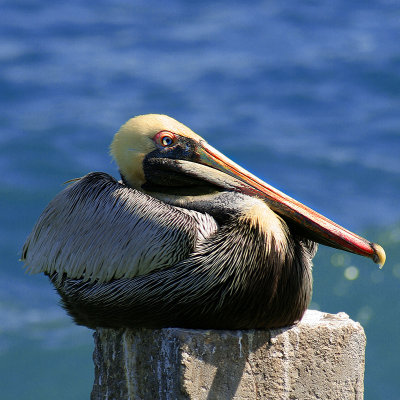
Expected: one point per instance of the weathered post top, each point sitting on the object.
(320, 357)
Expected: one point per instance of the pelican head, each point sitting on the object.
(138, 137)
(162, 157)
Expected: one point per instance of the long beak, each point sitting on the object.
(321, 229)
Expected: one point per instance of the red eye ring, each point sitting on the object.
(165, 138)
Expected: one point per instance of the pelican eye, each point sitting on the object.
(165, 138)
(166, 141)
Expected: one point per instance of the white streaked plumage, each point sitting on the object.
(118, 233)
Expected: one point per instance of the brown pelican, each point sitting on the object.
(187, 238)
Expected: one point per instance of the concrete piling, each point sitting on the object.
(321, 357)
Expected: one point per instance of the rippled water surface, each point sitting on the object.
(306, 96)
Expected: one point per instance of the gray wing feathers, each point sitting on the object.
(98, 229)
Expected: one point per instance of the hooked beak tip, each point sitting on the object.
(379, 256)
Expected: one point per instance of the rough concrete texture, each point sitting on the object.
(322, 357)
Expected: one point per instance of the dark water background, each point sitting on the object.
(306, 95)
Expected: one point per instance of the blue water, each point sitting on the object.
(305, 95)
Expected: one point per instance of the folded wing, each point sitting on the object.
(98, 229)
